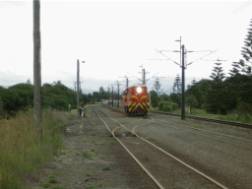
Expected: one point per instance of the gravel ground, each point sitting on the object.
(91, 159)
(226, 157)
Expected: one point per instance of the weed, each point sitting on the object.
(88, 155)
(45, 185)
(106, 169)
(52, 180)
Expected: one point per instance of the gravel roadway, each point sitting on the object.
(221, 151)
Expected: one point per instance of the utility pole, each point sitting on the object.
(127, 82)
(143, 76)
(183, 67)
(183, 83)
(182, 51)
(78, 87)
(37, 116)
(118, 93)
(112, 96)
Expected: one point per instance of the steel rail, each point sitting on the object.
(218, 184)
(157, 183)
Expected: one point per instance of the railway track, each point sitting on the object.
(140, 148)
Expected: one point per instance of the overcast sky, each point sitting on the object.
(116, 37)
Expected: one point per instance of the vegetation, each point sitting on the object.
(167, 106)
(55, 96)
(22, 151)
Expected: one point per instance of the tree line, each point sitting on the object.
(19, 97)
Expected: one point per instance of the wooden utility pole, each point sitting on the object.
(118, 93)
(183, 83)
(112, 96)
(37, 66)
(127, 82)
(78, 87)
(143, 76)
(78, 91)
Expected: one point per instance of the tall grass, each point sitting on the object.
(22, 151)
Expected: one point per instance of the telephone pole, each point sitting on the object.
(127, 82)
(112, 96)
(78, 86)
(183, 83)
(143, 76)
(37, 115)
(118, 93)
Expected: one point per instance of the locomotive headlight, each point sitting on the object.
(139, 90)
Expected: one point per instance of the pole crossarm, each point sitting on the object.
(200, 58)
(167, 58)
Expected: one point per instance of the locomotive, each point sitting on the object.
(135, 100)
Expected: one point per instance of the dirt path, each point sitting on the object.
(91, 159)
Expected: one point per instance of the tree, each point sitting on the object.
(216, 97)
(57, 96)
(154, 98)
(236, 69)
(217, 73)
(1, 108)
(191, 102)
(177, 85)
(247, 51)
(102, 93)
(157, 86)
(200, 90)
(24, 94)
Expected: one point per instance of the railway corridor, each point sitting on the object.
(223, 153)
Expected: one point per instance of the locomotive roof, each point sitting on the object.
(137, 86)
(134, 86)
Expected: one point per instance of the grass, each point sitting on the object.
(22, 151)
(90, 155)
(228, 117)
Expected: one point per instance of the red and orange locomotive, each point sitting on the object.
(135, 100)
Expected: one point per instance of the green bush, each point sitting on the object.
(154, 99)
(167, 106)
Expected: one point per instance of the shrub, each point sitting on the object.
(167, 106)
